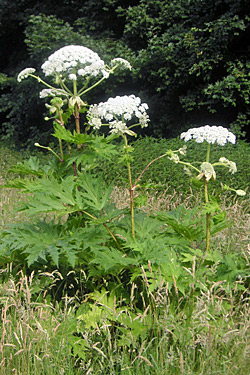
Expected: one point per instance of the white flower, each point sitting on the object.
(84, 60)
(116, 111)
(122, 62)
(210, 134)
(25, 73)
(72, 77)
(95, 122)
(52, 92)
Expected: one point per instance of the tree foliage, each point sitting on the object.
(190, 57)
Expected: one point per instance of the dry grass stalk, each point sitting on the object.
(28, 329)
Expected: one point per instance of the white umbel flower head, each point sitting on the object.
(210, 134)
(117, 111)
(25, 73)
(84, 60)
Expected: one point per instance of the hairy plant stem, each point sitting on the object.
(144, 170)
(208, 215)
(60, 121)
(76, 109)
(131, 187)
(77, 120)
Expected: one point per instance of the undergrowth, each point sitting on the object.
(160, 331)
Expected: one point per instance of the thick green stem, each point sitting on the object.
(76, 108)
(131, 188)
(208, 153)
(61, 149)
(208, 215)
(59, 140)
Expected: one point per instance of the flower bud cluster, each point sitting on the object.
(25, 73)
(52, 92)
(207, 171)
(210, 134)
(230, 164)
(117, 112)
(121, 62)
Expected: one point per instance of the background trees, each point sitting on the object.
(190, 58)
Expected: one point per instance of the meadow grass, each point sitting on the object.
(205, 334)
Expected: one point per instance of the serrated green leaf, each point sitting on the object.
(216, 228)
(31, 166)
(111, 259)
(96, 195)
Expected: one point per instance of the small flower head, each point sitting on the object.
(25, 73)
(117, 112)
(210, 134)
(173, 156)
(121, 62)
(230, 164)
(72, 77)
(83, 60)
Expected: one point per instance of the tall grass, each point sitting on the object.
(206, 335)
(29, 342)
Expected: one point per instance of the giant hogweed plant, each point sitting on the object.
(206, 170)
(81, 228)
(66, 187)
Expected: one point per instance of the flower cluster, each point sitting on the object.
(210, 134)
(72, 62)
(25, 73)
(207, 171)
(84, 61)
(117, 111)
